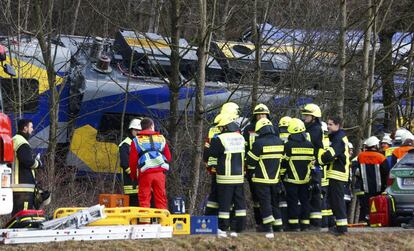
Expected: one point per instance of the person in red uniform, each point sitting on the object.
(148, 160)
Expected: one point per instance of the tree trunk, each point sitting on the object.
(258, 65)
(385, 70)
(204, 37)
(342, 60)
(45, 46)
(174, 86)
(75, 17)
(221, 33)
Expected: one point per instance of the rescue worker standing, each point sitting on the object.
(336, 157)
(298, 161)
(311, 114)
(266, 155)
(283, 125)
(149, 158)
(407, 140)
(372, 172)
(230, 110)
(25, 166)
(130, 186)
(249, 134)
(327, 215)
(228, 148)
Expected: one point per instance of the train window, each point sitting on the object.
(29, 95)
(109, 127)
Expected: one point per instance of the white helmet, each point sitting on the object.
(371, 141)
(403, 134)
(135, 124)
(386, 139)
(324, 126)
(350, 145)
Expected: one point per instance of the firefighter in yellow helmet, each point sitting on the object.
(266, 155)
(211, 164)
(231, 109)
(228, 148)
(260, 111)
(283, 125)
(130, 186)
(297, 163)
(327, 215)
(311, 115)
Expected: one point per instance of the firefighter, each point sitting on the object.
(407, 140)
(149, 159)
(336, 157)
(283, 125)
(327, 215)
(249, 134)
(228, 148)
(371, 171)
(25, 167)
(311, 114)
(386, 143)
(266, 155)
(130, 186)
(297, 162)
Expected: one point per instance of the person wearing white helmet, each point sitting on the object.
(130, 186)
(407, 140)
(371, 173)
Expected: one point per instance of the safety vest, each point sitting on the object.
(299, 165)
(269, 161)
(212, 162)
(129, 186)
(150, 148)
(230, 169)
(401, 151)
(370, 170)
(17, 185)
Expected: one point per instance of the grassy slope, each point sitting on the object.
(284, 241)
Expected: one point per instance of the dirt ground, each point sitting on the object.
(396, 239)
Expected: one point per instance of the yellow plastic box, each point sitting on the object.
(181, 224)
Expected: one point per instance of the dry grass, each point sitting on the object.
(400, 240)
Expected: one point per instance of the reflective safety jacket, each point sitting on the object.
(130, 186)
(24, 177)
(228, 148)
(372, 171)
(250, 135)
(399, 153)
(336, 157)
(283, 134)
(210, 161)
(315, 132)
(149, 153)
(266, 155)
(298, 159)
(388, 155)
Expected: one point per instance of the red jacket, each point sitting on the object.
(133, 156)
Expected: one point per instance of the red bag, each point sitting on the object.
(382, 210)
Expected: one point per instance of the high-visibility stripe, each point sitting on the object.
(268, 149)
(293, 221)
(302, 158)
(235, 179)
(305, 222)
(241, 212)
(253, 156)
(268, 219)
(263, 169)
(282, 204)
(298, 150)
(278, 222)
(265, 181)
(341, 222)
(315, 215)
(271, 156)
(25, 205)
(212, 204)
(327, 212)
(224, 215)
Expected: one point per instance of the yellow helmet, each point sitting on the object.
(296, 126)
(231, 109)
(218, 118)
(261, 109)
(312, 109)
(225, 120)
(284, 121)
(261, 123)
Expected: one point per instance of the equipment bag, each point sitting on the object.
(382, 210)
